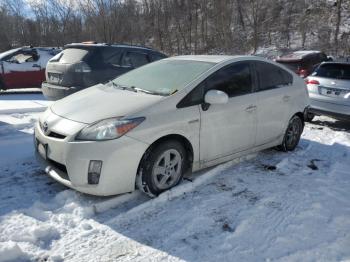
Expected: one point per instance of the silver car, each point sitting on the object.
(329, 90)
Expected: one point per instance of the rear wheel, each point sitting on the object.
(293, 134)
(163, 167)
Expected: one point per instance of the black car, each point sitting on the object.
(303, 63)
(83, 65)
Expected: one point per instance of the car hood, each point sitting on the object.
(101, 102)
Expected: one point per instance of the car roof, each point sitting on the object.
(296, 56)
(306, 52)
(111, 45)
(335, 63)
(9, 52)
(213, 58)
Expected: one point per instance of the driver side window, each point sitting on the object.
(234, 80)
(24, 57)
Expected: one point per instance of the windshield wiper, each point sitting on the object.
(148, 92)
(136, 89)
(123, 87)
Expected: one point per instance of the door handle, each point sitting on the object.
(193, 121)
(286, 98)
(251, 108)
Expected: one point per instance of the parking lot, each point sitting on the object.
(273, 205)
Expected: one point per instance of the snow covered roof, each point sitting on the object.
(297, 55)
(106, 44)
(9, 52)
(305, 52)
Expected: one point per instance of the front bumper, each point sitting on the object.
(56, 92)
(67, 162)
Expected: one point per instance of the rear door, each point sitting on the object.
(229, 128)
(274, 101)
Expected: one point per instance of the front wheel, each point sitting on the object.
(293, 134)
(163, 167)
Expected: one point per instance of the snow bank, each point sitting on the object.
(10, 251)
(276, 207)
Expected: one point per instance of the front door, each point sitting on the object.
(229, 128)
(23, 70)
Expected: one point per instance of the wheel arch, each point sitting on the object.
(301, 116)
(179, 138)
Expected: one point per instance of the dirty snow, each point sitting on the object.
(274, 207)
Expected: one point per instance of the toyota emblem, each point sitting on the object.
(45, 127)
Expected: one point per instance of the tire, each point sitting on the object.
(162, 168)
(293, 133)
(309, 117)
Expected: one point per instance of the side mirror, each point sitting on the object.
(215, 97)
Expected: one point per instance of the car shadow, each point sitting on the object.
(336, 125)
(161, 225)
(22, 96)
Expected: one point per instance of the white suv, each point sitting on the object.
(148, 127)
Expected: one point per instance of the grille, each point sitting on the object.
(56, 135)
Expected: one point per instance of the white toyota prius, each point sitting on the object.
(147, 128)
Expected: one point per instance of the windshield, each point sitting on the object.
(163, 77)
(337, 71)
(73, 55)
(8, 53)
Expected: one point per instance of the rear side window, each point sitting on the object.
(73, 55)
(234, 79)
(134, 59)
(111, 56)
(337, 71)
(271, 76)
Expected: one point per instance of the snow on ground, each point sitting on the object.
(29, 101)
(274, 207)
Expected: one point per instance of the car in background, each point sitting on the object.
(82, 65)
(329, 90)
(25, 66)
(150, 126)
(303, 63)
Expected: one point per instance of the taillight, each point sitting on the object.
(311, 82)
(302, 73)
(82, 67)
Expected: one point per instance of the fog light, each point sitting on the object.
(94, 172)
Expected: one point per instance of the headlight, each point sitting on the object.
(108, 129)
